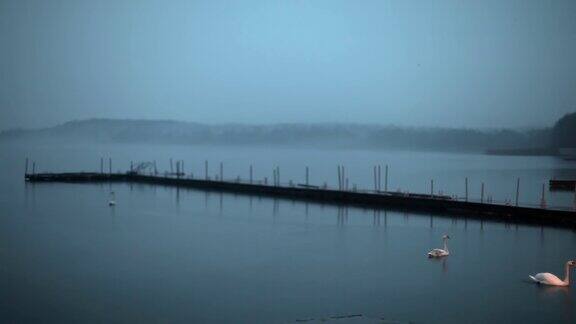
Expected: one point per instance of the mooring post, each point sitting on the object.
(307, 175)
(101, 165)
(206, 169)
(251, 173)
(26, 167)
(374, 176)
(221, 171)
(517, 190)
(278, 174)
(543, 199)
(386, 179)
(341, 186)
(482, 193)
(379, 177)
(110, 166)
(466, 188)
(184, 172)
(339, 178)
(155, 169)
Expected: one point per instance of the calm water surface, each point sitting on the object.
(169, 255)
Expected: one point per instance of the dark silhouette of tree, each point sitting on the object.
(564, 132)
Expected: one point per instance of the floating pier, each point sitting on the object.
(563, 185)
(422, 203)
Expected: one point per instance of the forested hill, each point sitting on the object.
(322, 135)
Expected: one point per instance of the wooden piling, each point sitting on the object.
(466, 189)
(277, 176)
(375, 181)
(342, 179)
(482, 193)
(110, 165)
(307, 176)
(543, 198)
(379, 177)
(251, 173)
(206, 169)
(221, 171)
(517, 190)
(386, 179)
(26, 167)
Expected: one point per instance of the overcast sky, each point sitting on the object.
(433, 63)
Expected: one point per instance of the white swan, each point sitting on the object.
(438, 253)
(546, 278)
(112, 201)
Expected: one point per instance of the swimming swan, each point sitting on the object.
(546, 278)
(438, 253)
(112, 201)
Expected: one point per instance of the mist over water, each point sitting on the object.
(168, 254)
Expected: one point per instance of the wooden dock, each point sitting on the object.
(421, 203)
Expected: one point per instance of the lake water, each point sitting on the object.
(172, 255)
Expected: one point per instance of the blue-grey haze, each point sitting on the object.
(422, 63)
(164, 254)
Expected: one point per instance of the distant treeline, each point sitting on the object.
(325, 135)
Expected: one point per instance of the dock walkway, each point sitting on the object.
(374, 199)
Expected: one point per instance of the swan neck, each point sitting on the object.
(567, 277)
(446, 245)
